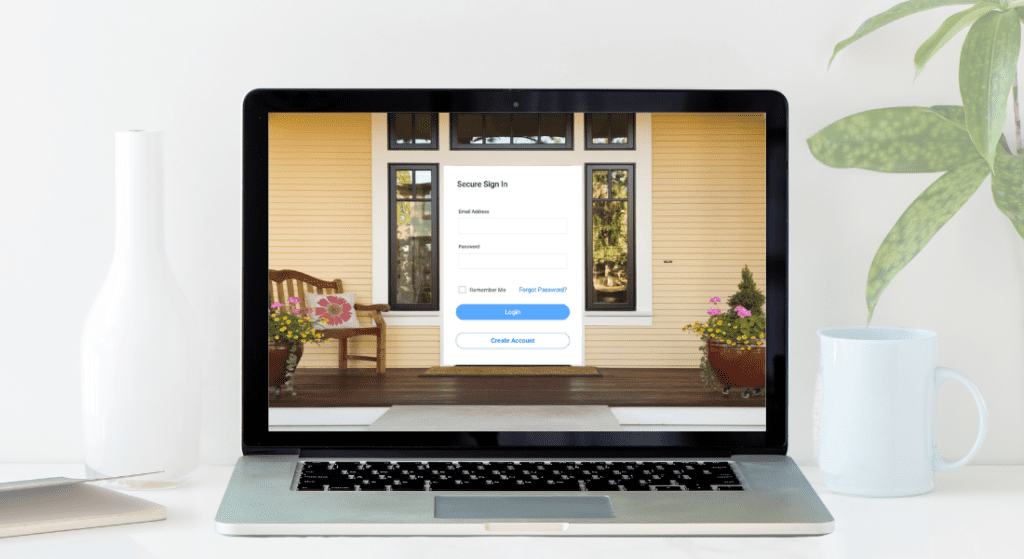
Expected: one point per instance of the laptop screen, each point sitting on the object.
(518, 271)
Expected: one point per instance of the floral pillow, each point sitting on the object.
(338, 309)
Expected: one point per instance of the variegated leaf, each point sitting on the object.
(949, 28)
(894, 140)
(988, 64)
(1008, 188)
(919, 223)
(892, 14)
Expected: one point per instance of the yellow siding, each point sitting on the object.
(319, 167)
(708, 182)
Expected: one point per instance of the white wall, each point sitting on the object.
(75, 72)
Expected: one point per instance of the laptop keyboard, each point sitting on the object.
(517, 476)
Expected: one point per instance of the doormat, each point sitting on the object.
(513, 371)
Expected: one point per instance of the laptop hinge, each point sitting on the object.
(277, 450)
(469, 454)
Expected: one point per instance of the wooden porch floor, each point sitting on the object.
(615, 387)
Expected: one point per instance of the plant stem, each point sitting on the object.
(1016, 114)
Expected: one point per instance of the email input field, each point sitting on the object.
(512, 261)
(511, 226)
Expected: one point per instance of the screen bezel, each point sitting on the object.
(257, 438)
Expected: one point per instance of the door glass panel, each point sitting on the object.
(414, 246)
(403, 184)
(423, 183)
(599, 184)
(610, 250)
(619, 178)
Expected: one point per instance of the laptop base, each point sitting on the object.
(777, 501)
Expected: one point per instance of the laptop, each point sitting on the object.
(491, 291)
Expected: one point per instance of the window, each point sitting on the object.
(511, 131)
(413, 216)
(610, 130)
(611, 270)
(412, 130)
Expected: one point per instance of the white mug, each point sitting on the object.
(878, 411)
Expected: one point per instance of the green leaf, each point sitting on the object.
(894, 140)
(892, 14)
(949, 28)
(955, 114)
(919, 223)
(988, 64)
(1008, 188)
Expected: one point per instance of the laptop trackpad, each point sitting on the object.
(522, 507)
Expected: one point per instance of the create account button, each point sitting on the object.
(506, 340)
(512, 312)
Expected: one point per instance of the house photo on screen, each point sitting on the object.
(531, 269)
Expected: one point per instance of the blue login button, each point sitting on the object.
(512, 312)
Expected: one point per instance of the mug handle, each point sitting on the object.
(942, 374)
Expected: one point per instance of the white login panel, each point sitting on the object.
(512, 265)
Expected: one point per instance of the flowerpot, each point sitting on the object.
(277, 361)
(737, 366)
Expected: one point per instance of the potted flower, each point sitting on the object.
(290, 326)
(733, 339)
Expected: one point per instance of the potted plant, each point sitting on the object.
(733, 339)
(290, 326)
(965, 143)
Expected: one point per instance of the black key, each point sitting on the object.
(373, 485)
(346, 465)
(521, 476)
(601, 485)
(341, 486)
(410, 487)
(491, 485)
(729, 487)
(560, 486)
(635, 485)
(449, 486)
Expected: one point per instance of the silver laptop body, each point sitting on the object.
(263, 499)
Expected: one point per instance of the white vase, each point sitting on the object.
(140, 374)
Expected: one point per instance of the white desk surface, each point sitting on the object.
(974, 512)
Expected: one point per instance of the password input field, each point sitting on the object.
(512, 261)
(512, 226)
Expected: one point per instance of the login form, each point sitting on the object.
(512, 265)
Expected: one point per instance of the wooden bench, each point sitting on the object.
(283, 284)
